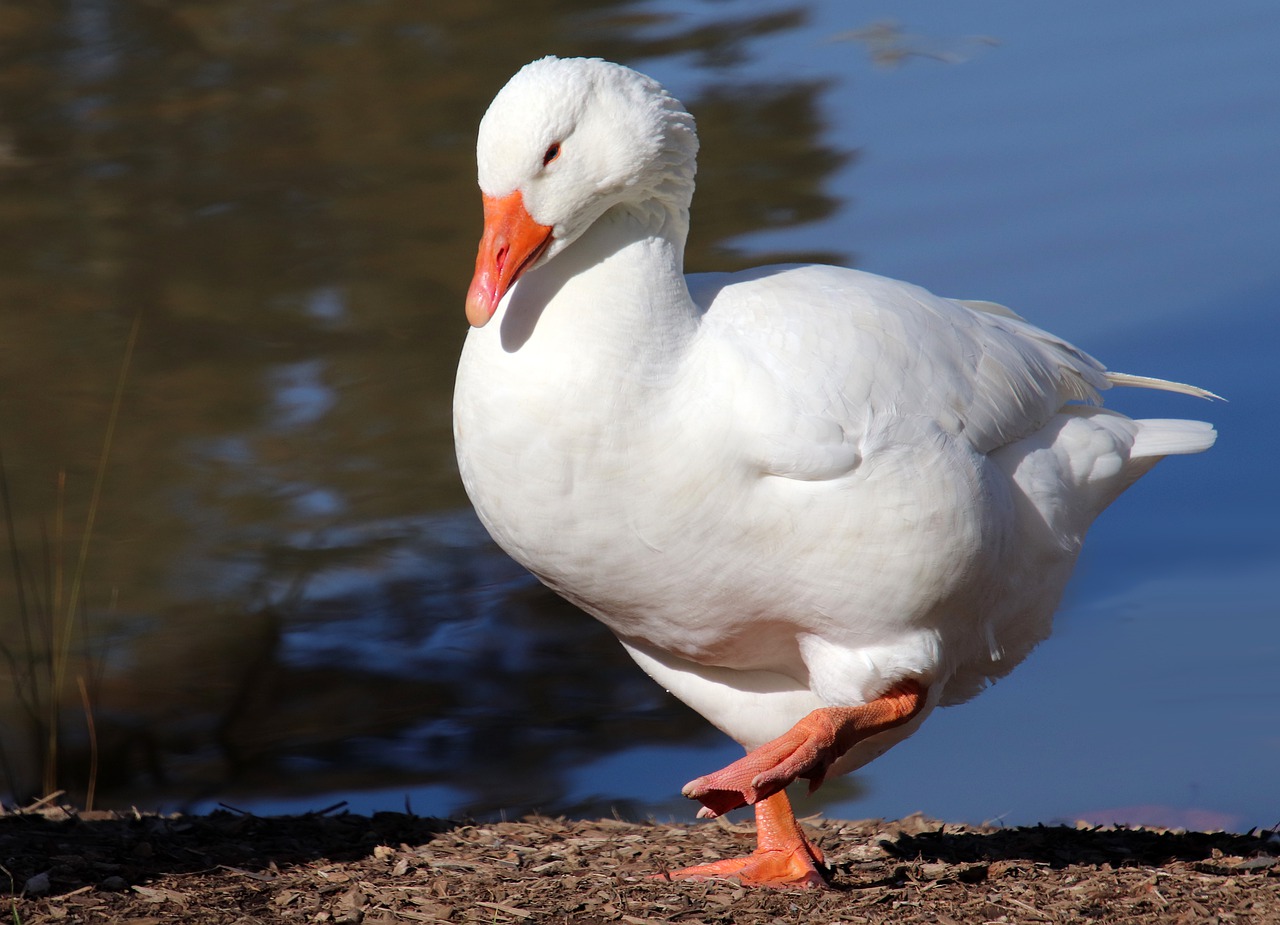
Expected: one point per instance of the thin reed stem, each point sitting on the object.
(62, 653)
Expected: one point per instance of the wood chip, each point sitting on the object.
(509, 910)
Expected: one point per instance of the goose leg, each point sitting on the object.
(806, 750)
(784, 857)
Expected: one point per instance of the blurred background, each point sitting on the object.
(234, 242)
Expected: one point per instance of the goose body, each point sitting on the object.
(792, 492)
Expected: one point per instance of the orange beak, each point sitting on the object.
(512, 242)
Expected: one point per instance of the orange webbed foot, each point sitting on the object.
(806, 750)
(803, 749)
(774, 869)
(784, 858)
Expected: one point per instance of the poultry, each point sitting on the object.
(812, 503)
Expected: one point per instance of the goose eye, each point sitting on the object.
(551, 154)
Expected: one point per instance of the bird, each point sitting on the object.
(812, 503)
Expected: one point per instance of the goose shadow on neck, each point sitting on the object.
(525, 304)
(535, 291)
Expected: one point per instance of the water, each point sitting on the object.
(287, 602)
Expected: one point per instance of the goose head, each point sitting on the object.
(564, 142)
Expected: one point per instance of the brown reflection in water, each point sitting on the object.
(285, 193)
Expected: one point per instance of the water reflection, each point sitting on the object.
(284, 592)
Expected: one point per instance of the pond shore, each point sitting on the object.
(62, 865)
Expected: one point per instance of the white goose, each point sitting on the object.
(812, 503)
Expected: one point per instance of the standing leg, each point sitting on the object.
(784, 857)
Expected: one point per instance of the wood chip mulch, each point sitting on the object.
(57, 865)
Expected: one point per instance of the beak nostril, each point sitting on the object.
(511, 243)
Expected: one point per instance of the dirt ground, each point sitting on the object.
(64, 866)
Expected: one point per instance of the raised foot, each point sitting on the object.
(806, 750)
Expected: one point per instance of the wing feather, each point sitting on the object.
(815, 353)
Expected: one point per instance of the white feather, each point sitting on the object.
(1171, 437)
(1164, 385)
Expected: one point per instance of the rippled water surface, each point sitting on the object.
(285, 601)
